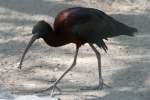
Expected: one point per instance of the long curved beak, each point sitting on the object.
(34, 37)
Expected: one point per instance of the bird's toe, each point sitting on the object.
(52, 89)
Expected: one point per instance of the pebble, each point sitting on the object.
(55, 69)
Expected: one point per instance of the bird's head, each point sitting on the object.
(40, 30)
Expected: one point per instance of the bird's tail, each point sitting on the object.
(122, 29)
(117, 28)
(101, 44)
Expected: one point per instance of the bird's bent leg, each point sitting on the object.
(73, 64)
(98, 56)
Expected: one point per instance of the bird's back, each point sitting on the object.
(103, 23)
(67, 19)
(89, 25)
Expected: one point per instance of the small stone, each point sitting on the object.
(55, 69)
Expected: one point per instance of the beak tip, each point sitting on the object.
(36, 36)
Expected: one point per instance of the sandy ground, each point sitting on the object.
(126, 66)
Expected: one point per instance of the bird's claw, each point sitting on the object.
(102, 84)
(19, 65)
(99, 87)
(52, 89)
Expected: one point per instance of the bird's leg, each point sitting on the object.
(53, 86)
(98, 56)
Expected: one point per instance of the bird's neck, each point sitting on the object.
(55, 40)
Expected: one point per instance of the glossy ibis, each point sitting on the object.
(79, 25)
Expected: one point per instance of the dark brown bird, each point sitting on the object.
(79, 25)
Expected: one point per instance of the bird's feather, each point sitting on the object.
(89, 25)
(112, 27)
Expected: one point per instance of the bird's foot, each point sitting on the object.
(99, 87)
(102, 84)
(52, 89)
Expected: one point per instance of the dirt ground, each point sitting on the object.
(126, 66)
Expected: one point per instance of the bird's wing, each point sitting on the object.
(90, 30)
(95, 21)
(112, 27)
(106, 24)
